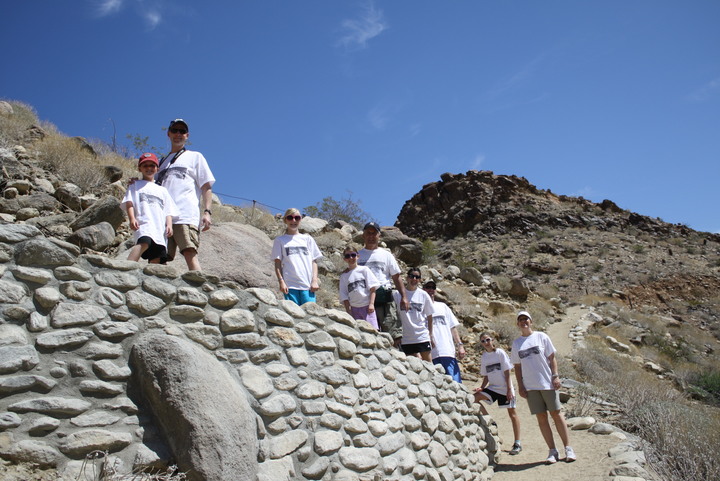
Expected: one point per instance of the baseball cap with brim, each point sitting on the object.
(524, 313)
(173, 123)
(430, 285)
(148, 157)
(372, 225)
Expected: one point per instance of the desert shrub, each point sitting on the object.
(706, 385)
(503, 283)
(98, 466)
(70, 160)
(429, 251)
(13, 127)
(346, 209)
(254, 216)
(583, 402)
(331, 240)
(546, 291)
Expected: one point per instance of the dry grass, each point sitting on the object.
(682, 436)
(99, 466)
(13, 128)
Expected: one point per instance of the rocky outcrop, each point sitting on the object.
(222, 380)
(492, 205)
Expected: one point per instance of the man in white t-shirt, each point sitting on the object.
(536, 371)
(187, 176)
(445, 335)
(385, 268)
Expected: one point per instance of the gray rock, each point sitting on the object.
(64, 339)
(96, 237)
(14, 358)
(34, 452)
(71, 273)
(11, 293)
(144, 303)
(182, 384)
(51, 406)
(83, 442)
(106, 209)
(42, 253)
(68, 314)
(69, 195)
(15, 384)
(359, 459)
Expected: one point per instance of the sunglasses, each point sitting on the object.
(294, 217)
(351, 255)
(414, 276)
(176, 130)
(487, 339)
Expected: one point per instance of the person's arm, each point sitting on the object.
(404, 304)
(278, 273)
(554, 370)
(371, 306)
(510, 396)
(458, 343)
(518, 377)
(346, 303)
(430, 330)
(134, 225)
(315, 283)
(205, 204)
(168, 226)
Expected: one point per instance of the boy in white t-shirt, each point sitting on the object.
(357, 288)
(536, 371)
(295, 257)
(150, 211)
(417, 323)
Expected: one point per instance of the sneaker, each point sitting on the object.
(516, 448)
(569, 454)
(552, 457)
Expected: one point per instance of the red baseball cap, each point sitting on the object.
(148, 157)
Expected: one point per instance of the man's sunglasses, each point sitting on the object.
(351, 255)
(176, 130)
(413, 276)
(294, 217)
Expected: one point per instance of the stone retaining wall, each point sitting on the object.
(319, 395)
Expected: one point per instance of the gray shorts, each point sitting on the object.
(542, 401)
(184, 236)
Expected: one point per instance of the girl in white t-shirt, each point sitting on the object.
(295, 257)
(357, 288)
(495, 367)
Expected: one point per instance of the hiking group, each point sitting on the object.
(169, 207)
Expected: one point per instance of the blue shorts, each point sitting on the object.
(451, 366)
(300, 297)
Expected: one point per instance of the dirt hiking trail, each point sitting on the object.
(593, 462)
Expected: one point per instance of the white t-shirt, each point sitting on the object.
(415, 320)
(355, 286)
(443, 322)
(183, 180)
(152, 204)
(381, 262)
(494, 365)
(297, 253)
(531, 353)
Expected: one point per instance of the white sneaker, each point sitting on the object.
(569, 454)
(552, 457)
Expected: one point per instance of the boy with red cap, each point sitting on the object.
(150, 211)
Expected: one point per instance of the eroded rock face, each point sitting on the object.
(202, 410)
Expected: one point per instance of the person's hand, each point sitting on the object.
(523, 391)
(283, 287)
(314, 285)
(432, 342)
(398, 342)
(404, 304)
(134, 224)
(556, 383)
(510, 396)
(206, 221)
(461, 352)
(371, 308)
(168, 231)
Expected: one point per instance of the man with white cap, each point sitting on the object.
(187, 176)
(536, 371)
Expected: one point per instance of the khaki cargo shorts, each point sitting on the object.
(184, 236)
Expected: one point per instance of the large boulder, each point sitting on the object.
(106, 209)
(202, 410)
(96, 237)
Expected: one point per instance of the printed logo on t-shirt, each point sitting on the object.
(356, 285)
(151, 199)
(376, 267)
(416, 306)
(529, 352)
(439, 320)
(491, 367)
(178, 172)
(296, 250)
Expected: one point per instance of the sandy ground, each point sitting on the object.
(592, 462)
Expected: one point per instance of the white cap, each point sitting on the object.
(524, 313)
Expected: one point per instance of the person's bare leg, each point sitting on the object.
(515, 421)
(137, 251)
(561, 426)
(425, 356)
(546, 430)
(191, 257)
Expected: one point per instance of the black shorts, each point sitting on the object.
(416, 348)
(501, 399)
(154, 251)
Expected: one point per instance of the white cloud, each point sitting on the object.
(379, 117)
(706, 91)
(108, 7)
(477, 162)
(358, 32)
(152, 18)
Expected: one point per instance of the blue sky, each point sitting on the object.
(292, 101)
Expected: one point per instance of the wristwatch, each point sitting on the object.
(208, 211)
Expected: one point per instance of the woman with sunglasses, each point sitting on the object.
(357, 288)
(295, 256)
(495, 367)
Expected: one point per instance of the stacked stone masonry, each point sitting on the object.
(328, 397)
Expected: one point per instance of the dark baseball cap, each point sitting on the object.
(372, 225)
(430, 285)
